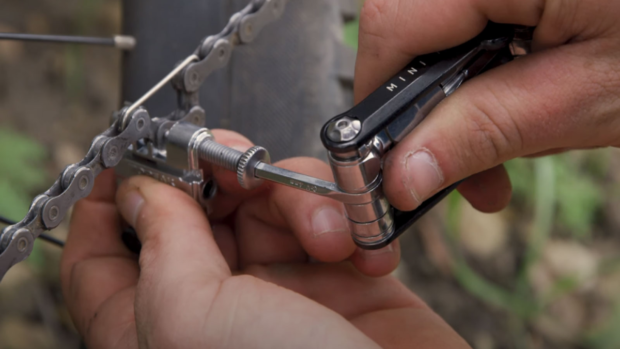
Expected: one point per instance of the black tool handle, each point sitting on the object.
(407, 90)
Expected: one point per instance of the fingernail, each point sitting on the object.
(131, 205)
(368, 254)
(327, 220)
(423, 175)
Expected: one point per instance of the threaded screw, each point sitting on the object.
(219, 155)
(236, 161)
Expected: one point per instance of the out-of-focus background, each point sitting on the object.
(544, 273)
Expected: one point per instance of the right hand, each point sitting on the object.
(565, 95)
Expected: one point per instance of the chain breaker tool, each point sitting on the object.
(170, 148)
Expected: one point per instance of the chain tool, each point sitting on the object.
(170, 148)
(134, 130)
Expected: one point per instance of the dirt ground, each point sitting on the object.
(466, 265)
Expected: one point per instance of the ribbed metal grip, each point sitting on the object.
(219, 155)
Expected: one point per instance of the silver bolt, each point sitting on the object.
(234, 160)
(343, 129)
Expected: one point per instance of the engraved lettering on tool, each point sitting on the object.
(392, 87)
(304, 186)
(412, 71)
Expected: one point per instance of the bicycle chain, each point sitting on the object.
(107, 149)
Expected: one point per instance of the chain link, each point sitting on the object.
(107, 149)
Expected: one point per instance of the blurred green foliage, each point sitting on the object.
(351, 30)
(561, 191)
(606, 336)
(21, 172)
(578, 194)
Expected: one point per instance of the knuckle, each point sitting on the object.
(492, 132)
(152, 247)
(373, 10)
(373, 16)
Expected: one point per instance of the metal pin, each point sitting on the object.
(159, 85)
(121, 42)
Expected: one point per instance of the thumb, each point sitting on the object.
(179, 259)
(177, 240)
(558, 98)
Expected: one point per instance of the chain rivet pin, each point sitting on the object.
(54, 212)
(83, 182)
(22, 244)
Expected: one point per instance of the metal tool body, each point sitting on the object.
(358, 139)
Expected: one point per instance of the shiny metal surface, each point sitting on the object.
(375, 232)
(368, 211)
(344, 129)
(124, 42)
(309, 184)
(247, 166)
(158, 86)
(356, 174)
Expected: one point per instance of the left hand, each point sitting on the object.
(245, 282)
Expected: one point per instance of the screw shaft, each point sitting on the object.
(219, 155)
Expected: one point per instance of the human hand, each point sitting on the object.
(563, 96)
(244, 283)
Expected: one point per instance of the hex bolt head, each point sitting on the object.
(343, 129)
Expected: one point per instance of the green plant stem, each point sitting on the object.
(544, 204)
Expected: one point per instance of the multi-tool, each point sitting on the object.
(178, 150)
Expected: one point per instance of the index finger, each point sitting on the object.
(392, 33)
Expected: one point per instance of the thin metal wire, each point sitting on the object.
(122, 42)
(44, 237)
(86, 40)
(161, 84)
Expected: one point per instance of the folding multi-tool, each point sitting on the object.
(178, 150)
